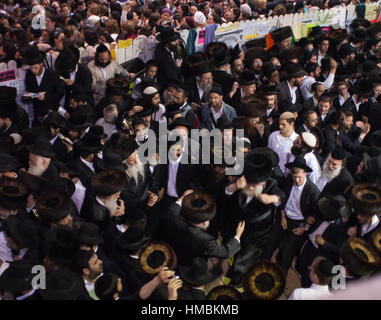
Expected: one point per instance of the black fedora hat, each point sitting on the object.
(224, 293)
(268, 152)
(60, 184)
(266, 90)
(294, 70)
(197, 274)
(247, 78)
(167, 35)
(41, 148)
(359, 257)
(89, 234)
(299, 162)
(220, 57)
(258, 167)
(90, 143)
(8, 162)
(63, 284)
(253, 107)
(53, 118)
(133, 239)
(108, 182)
(78, 120)
(200, 68)
(53, 206)
(281, 34)
(157, 255)
(117, 86)
(290, 107)
(147, 110)
(364, 88)
(65, 61)
(198, 207)
(268, 68)
(334, 208)
(17, 277)
(98, 131)
(366, 199)
(24, 232)
(264, 280)
(180, 122)
(369, 67)
(112, 160)
(33, 56)
(172, 109)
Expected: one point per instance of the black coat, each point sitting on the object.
(93, 211)
(332, 140)
(84, 173)
(53, 87)
(190, 241)
(167, 69)
(308, 198)
(285, 94)
(193, 93)
(338, 185)
(225, 80)
(51, 173)
(136, 195)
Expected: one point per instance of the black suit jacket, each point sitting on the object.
(338, 184)
(190, 241)
(167, 69)
(194, 95)
(308, 199)
(332, 140)
(82, 84)
(92, 211)
(135, 195)
(53, 87)
(285, 94)
(84, 173)
(225, 80)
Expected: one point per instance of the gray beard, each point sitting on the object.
(206, 87)
(330, 174)
(111, 205)
(36, 170)
(254, 193)
(135, 170)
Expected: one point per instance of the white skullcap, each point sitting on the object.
(309, 139)
(199, 17)
(150, 90)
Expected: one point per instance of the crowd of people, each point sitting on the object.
(107, 223)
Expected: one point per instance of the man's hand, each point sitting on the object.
(298, 231)
(352, 231)
(120, 209)
(268, 198)
(68, 146)
(41, 97)
(152, 198)
(131, 75)
(134, 110)
(241, 183)
(319, 240)
(173, 285)
(68, 82)
(240, 229)
(260, 128)
(234, 89)
(283, 220)
(310, 220)
(165, 274)
(195, 106)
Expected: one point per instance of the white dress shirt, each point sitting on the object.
(282, 146)
(79, 195)
(5, 250)
(39, 78)
(53, 140)
(217, 114)
(342, 100)
(321, 182)
(293, 92)
(313, 163)
(366, 228)
(90, 287)
(172, 176)
(357, 104)
(314, 292)
(308, 81)
(292, 208)
(320, 230)
(200, 91)
(72, 78)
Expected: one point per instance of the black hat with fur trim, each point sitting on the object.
(281, 34)
(117, 86)
(17, 277)
(8, 162)
(260, 42)
(253, 107)
(53, 206)
(24, 232)
(292, 53)
(366, 199)
(107, 182)
(200, 68)
(13, 193)
(133, 239)
(220, 57)
(211, 47)
(264, 280)
(33, 56)
(375, 239)
(157, 255)
(198, 207)
(334, 208)
(359, 258)
(253, 53)
(258, 167)
(224, 293)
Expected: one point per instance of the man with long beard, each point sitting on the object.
(335, 176)
(253, 198)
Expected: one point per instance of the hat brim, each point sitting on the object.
(188, 277)
(290, 165)
(173, 37)
(36, 151)
(170, 260)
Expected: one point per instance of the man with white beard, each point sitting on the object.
(253, 198)
(40, 160)
(335, 177)
(103, 203)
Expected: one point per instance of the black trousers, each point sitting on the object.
(286, 240)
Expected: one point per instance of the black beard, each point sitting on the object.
(172, 48)
(296, 151)
(101, 64)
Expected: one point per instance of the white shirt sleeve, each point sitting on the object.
(329, 81)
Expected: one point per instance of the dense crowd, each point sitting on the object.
(293, 181)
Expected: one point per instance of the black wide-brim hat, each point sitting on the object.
(294, 70)
(54, 203)
(167, 35)
(254, 53)
(211, 47)
(257, 167)
(264, 280)
(224, 293)
(66, 61)
(89, 234)
(172, 109)
(290, 107)
(220, 57)
(33, 183)
(98, 131)
(41, 148)
(111, 160)
(376, 240)
(266, 90)
(268, 152)
(62, 284)
(364, 88)
(90, 143)
(247, 78)
(268, 68)
(17, 277)
(180, 122)
(200, 68)
(366, 199)
(55, 119)
(253, 107)
(334, 208)
(359, 35)
(23, 232)
(299, 162)
(157, 255)
(198, 207)
(281, 34)
(260, 42)
(359, 256)
(78, 120)
(133, 239)
(33, 56)
(147, 110)
(13, 193)
(197, 274)
(8, 93)
(107, 182)
(117, 86)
